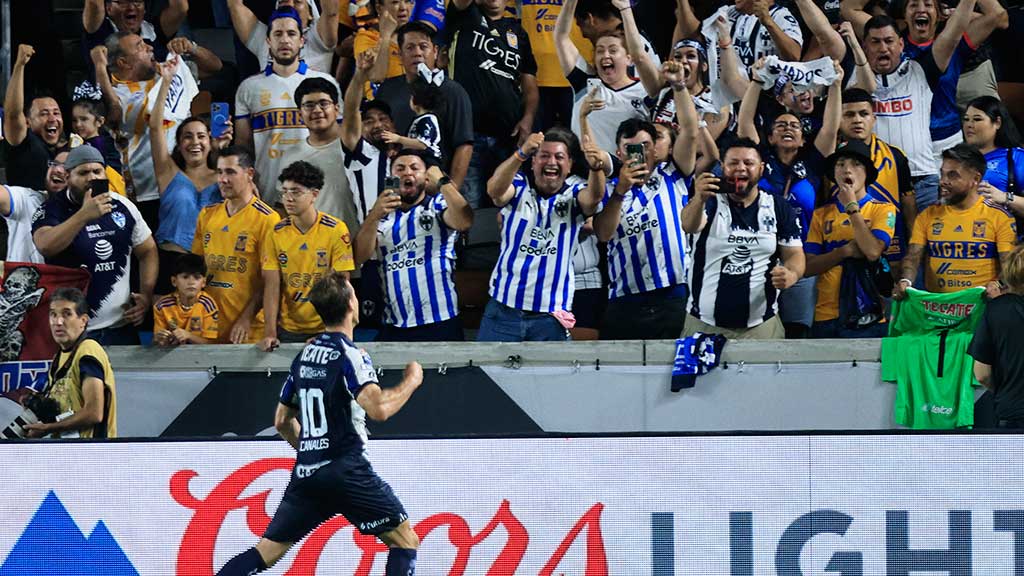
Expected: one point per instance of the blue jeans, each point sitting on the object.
(488, 153)
(449, 330)
(926, 192)
(833, 329)
(503, 324)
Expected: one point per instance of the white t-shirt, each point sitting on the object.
(753, 41)
(335, 197)
(134, 97)
(24, 203)
(267, 100)
(619, 105)
(318, 56)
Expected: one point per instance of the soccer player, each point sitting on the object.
(966, 238)
(300, 250)
(330, 390)
(231, 235)
(177, 319)
(414, 235)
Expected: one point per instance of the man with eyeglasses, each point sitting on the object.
(301, 249)
(19, 204)
(101, 18)
(267, 119)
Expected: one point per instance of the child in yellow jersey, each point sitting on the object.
(301, 249)
(189, 315)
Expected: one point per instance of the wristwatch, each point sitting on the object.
(1009, 198)
(852, 207)
(443, 181)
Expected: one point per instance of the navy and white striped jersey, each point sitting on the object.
(538, 238)
(417, 254)
(733, 254)
(366, 167)
(648, 250)
(323, 383)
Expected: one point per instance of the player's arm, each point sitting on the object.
(286, 421)
(684, 152)
(383, 403)
(366, 241)
(243, 133)
(745, 127)
(687, 24)
(794, 262)
(386, 26)
(172, 17)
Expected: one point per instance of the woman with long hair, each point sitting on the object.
(988, 126)
(185, 177)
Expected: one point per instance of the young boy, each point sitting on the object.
(189, 315)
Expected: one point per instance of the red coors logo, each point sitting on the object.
(195, 556)
(897, 106)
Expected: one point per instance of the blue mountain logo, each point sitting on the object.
(53, 545)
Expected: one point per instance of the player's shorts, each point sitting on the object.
(347, 486)
(429, 11)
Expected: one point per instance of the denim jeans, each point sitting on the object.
(503, 324)
(488, 153)
(926, 192)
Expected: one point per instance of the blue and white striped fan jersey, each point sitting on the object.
(417, 253)
(648, 250)
(538, 237)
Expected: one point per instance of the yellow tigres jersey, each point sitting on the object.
(200, 318)
(962, 247)
(831, 229)
(302, 260)
(233, 247)
(538, 20)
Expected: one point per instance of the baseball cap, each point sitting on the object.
(83, 155)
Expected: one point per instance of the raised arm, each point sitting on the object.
(590, 197)
(853, 11)
(564, 48)
(382, 403)
(93, 14)
(865, 76)
(15, 123)
(687, 24)
(327, 24)
(206, 61)
(386, 26)
(993, 16)
(499, 186)
(827, 137)
(789, 49)
(684, 152)
(458, 215)
(745, 127)
(946, 42)
(829, 40)
(172, 16)
(634, 44)
(242, 19)
(114, 111)
(351, 121)
(733, 73)
(163, 165)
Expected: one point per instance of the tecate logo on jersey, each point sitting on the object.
(316, 354)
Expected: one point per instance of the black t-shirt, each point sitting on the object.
(489, 56)
(997, 342)
(27, 162)
(456, 117)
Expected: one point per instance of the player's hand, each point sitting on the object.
(166, 69)
(413, 374)
(783, 277)
(269, 343)
(386, 203)
(591, 103)
(240, 331)
(25, 53)
(851, 250)
(135, 312)
(899, 289)
(94, 207)
(707, 185)
(621, 5)
(722, 24)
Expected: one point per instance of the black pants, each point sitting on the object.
(655, 315)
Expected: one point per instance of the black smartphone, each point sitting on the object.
(635, 153)
(392, 183)
(99, 187)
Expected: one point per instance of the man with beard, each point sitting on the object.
(32, 134)
(19, 204)
(267, 120)
(965, 237)
(101, 18)
(413, 230)
(319, 31)
(740, 234)
(533, 283)
(88, 226)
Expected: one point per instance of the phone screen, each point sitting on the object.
(100, 187)
(392, 183)
(635, 152)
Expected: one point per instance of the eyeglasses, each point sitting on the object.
(55, 164)
(293, 192)
(322, 104)
(793, 125)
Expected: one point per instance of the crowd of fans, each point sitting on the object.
(781, 170)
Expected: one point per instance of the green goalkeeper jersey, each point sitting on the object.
(926, 355)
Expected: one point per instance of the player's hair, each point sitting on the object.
(331, 297)
(426, 95)
(176, 155)
(1013, 270)
(878, 22)
(312, 85)
(633, 126)
(94, 107)
(74, 296)
(243, 155)
(304, 174)
(1007, 136)
(189, 264)
(967, 155)
(857, 95)
(741, 143)
(414, 27)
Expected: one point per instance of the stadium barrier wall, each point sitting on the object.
(636, 506)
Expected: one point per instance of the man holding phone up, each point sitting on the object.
(87, 225)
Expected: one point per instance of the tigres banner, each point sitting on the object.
(26, 345)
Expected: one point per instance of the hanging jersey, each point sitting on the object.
(945, 115)
(322, 385)
(366, 167)
(753, 41)
(963, 246)
(903, 102)
(134, 98)
(538, 237)
(998, 169)
(302, 259)
(427, 130)
(417, 252)
(200, 318)
(267, 100)
(103, 246)
(648, 250)
(733, 254)
(926, 355)
(622, 104)
(233, 246)
(24, 203)
(586, 261)
(831, 229)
